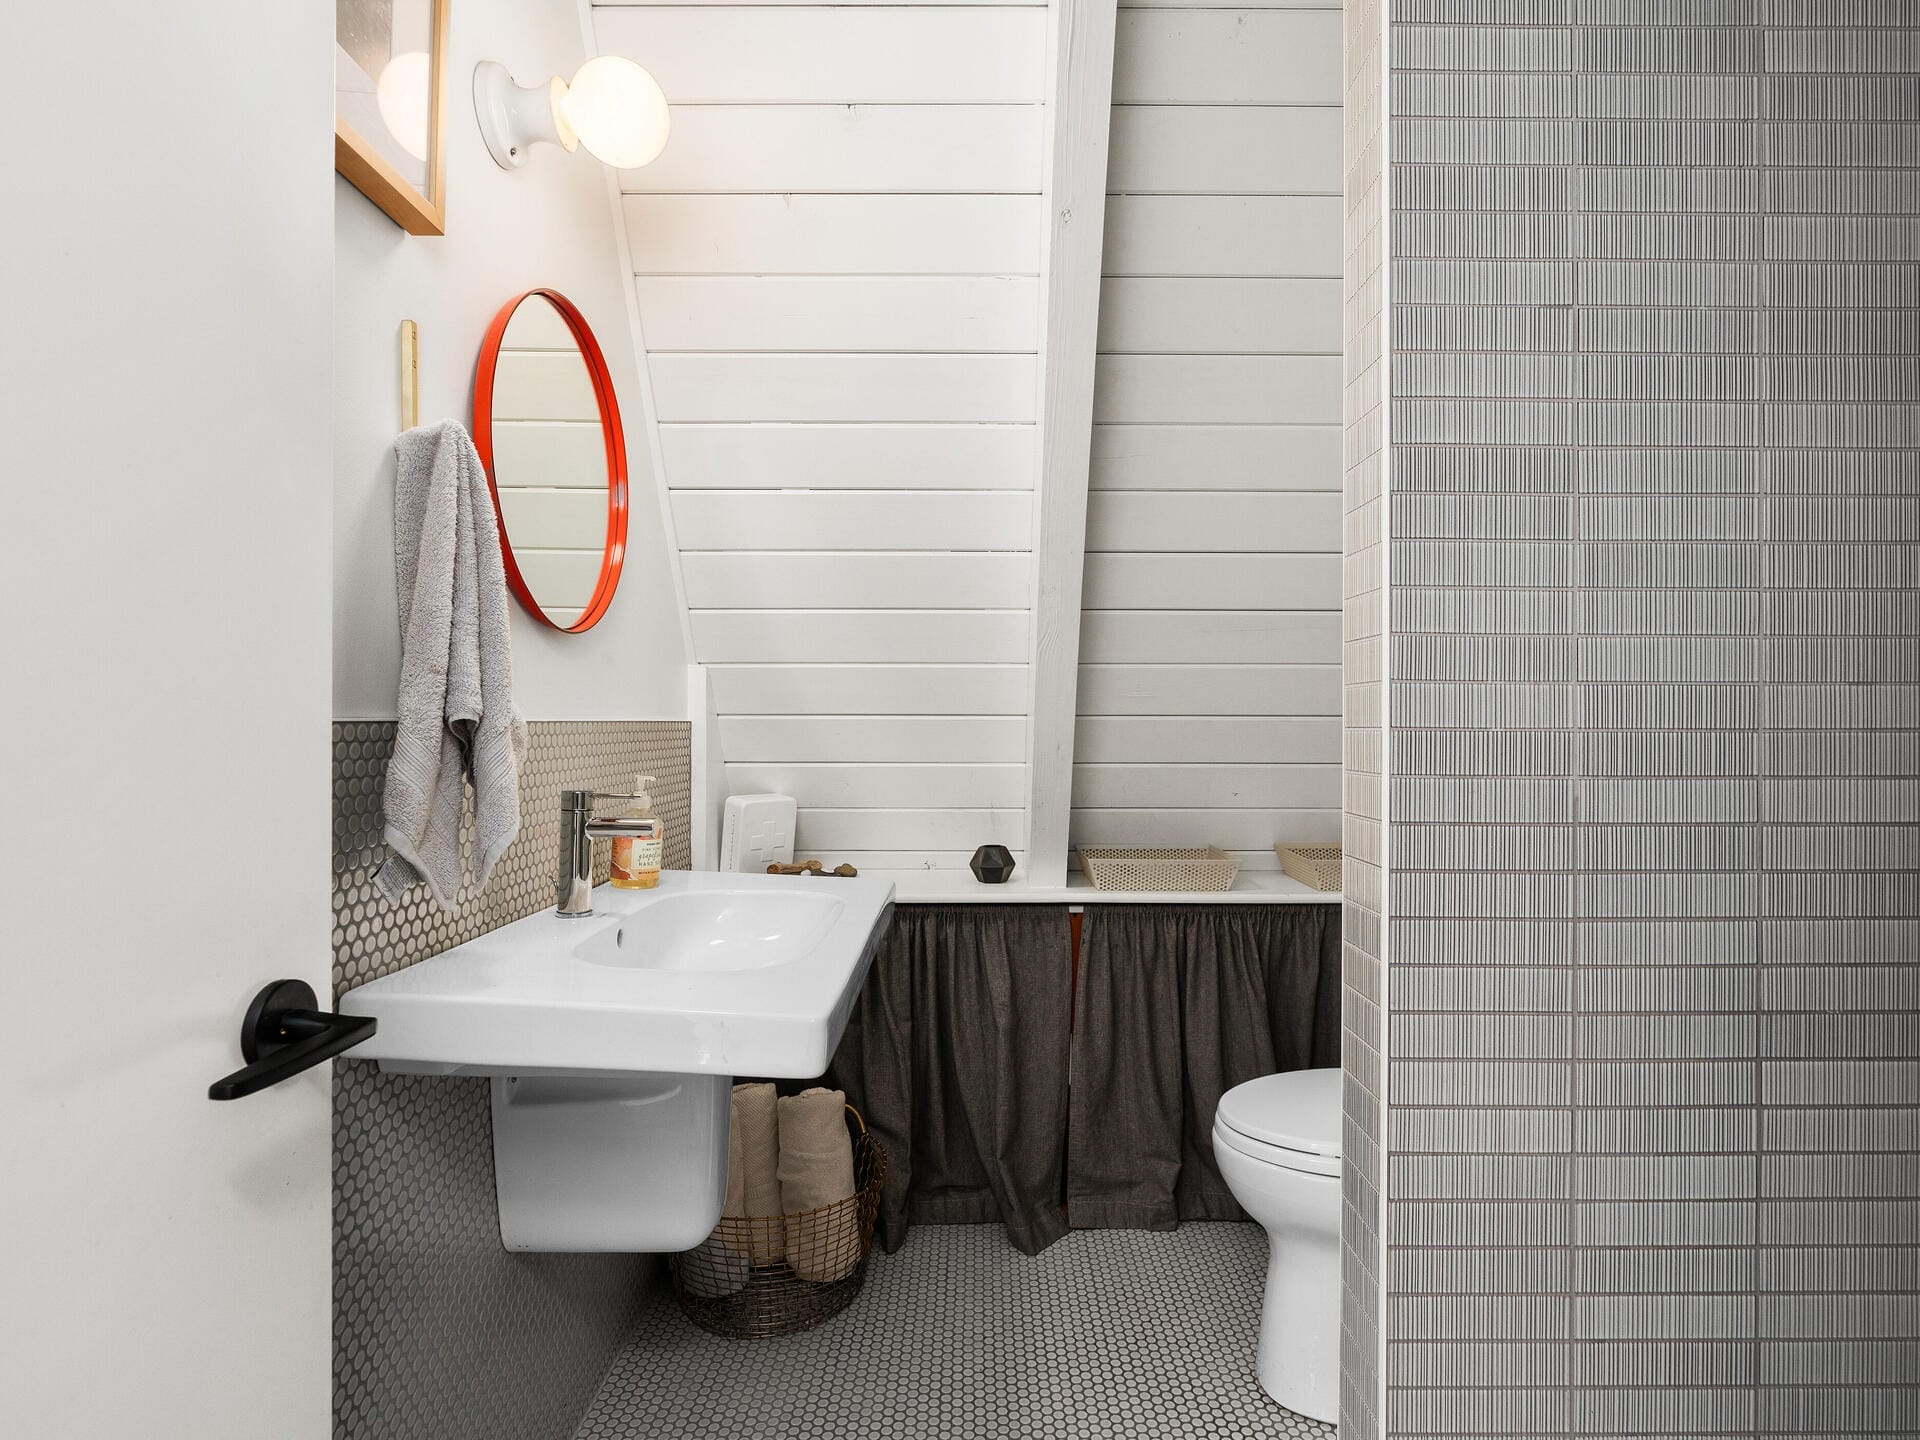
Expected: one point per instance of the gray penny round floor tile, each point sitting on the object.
(1107, 1335)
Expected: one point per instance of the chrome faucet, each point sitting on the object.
(578, 831)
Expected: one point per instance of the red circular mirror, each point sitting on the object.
(547, 426)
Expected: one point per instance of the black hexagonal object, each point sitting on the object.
(992, 865)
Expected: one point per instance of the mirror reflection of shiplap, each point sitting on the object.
(550, 460)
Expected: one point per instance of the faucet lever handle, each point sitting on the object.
(587, 799)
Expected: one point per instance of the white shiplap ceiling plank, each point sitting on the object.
(910, 54)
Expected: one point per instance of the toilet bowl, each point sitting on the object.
(1277, 1143)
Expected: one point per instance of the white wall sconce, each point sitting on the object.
(613, 107)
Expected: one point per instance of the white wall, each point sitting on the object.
(1209, 697)
(550, 223)
(837, 263)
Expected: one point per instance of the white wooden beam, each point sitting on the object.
(1079, 111)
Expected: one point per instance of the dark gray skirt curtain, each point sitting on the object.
(957, 1056)
(1177, 1005)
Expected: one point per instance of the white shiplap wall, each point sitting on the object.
(1209, 704)
(837, 268)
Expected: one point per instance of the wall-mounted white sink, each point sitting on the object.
(709, 974)
(612, 1040)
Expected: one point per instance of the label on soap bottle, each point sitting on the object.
(636, 860)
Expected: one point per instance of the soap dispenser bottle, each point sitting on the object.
(636, 858)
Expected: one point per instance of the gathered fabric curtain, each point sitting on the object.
(956, 1055)
(1176, 1005)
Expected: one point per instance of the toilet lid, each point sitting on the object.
(1297, 1110)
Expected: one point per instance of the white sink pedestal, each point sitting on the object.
(628, 1164)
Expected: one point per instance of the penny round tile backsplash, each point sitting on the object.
(372, 937)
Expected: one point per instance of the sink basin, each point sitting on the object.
(611, 1041)
(710, 974)
(714, 930)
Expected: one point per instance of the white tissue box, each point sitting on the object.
(757, 832)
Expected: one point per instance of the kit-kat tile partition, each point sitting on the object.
(438, 1332)
(1363, 571)
(1652, 917)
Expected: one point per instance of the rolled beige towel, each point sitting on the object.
(736, 1201)
(757, 1124)
(734, 1207)
(816, 1169)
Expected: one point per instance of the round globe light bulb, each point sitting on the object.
(618, 111)
(403, 93)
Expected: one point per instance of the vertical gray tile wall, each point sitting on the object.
(1481, 663)
(438, 1332)
(1837, 1278)
(1652, 1005)
(1666, 589)
(1363, 589)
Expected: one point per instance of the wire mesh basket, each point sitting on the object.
(778, 1274)
(1316, 866)
(1122, 867)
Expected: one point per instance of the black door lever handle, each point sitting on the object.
(284, 1033)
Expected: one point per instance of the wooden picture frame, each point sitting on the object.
(374, 176)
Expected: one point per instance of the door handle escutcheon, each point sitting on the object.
(284, 1033)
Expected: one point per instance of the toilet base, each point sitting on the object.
(1298, 1363)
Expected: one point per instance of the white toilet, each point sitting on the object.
(1277, 1142)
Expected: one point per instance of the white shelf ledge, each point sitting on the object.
(946, 887)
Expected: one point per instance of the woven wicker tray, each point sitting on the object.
(1122, 867)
